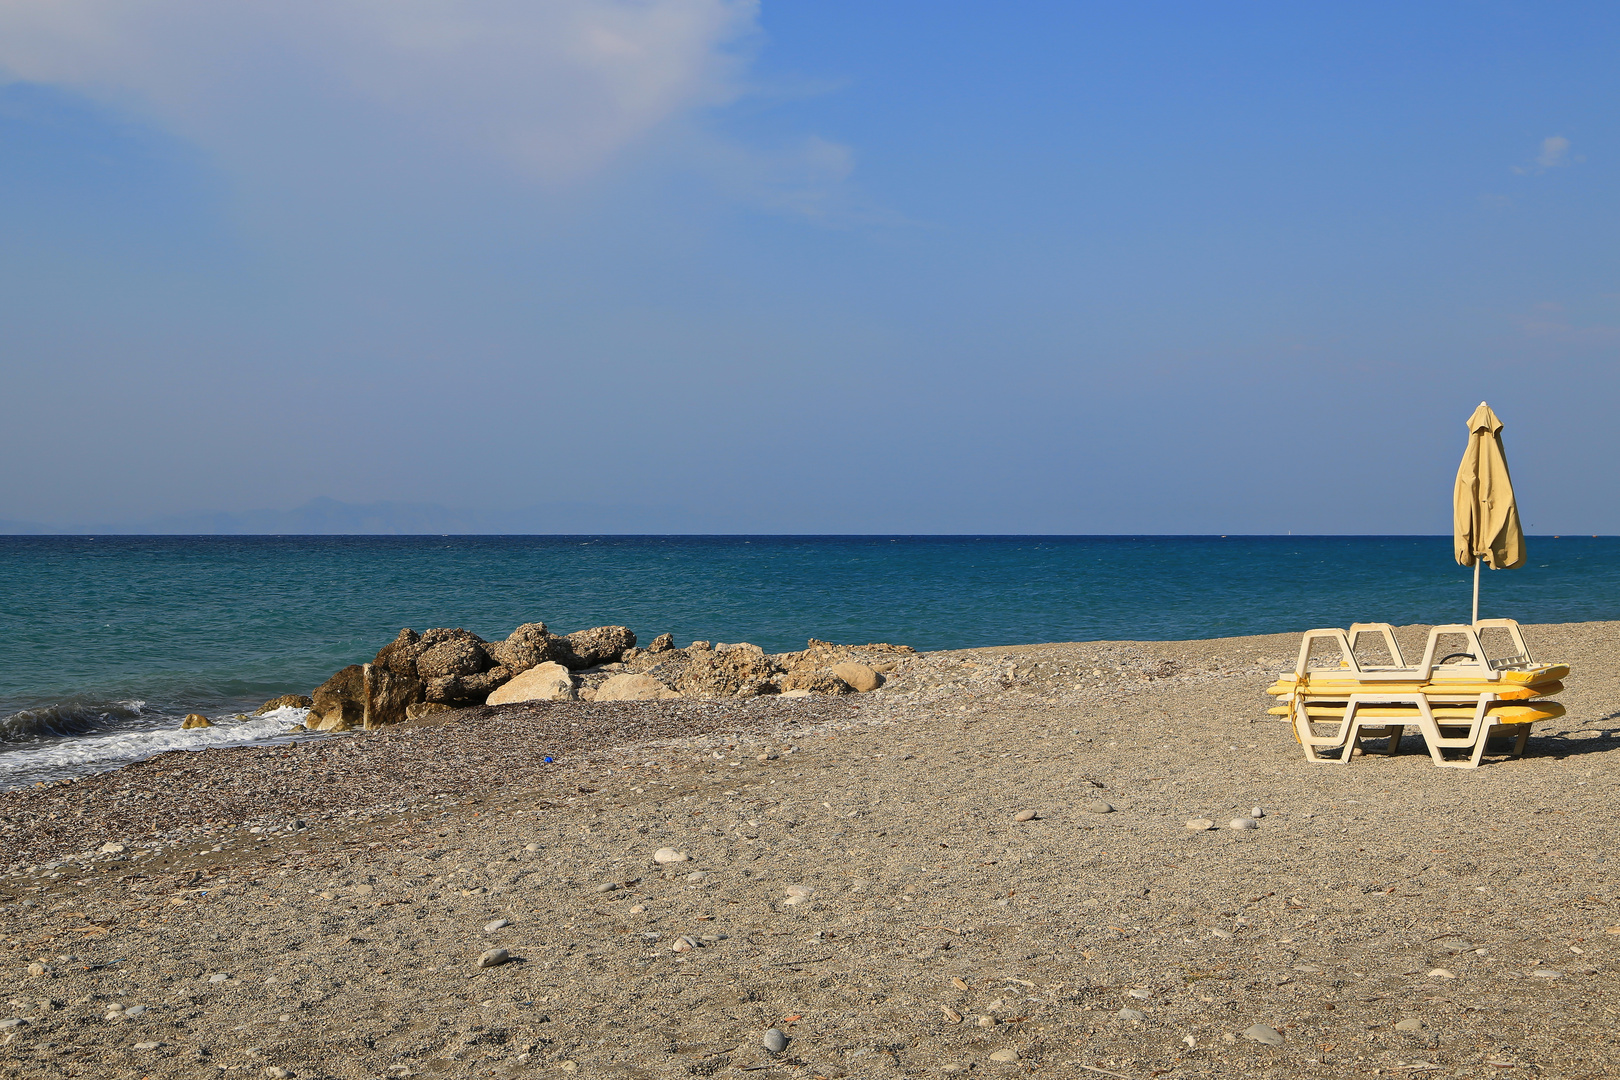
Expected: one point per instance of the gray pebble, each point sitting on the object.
(1261, 1033)
(1024, 815)
(1131, 1014)
(14, 1022)
(1238, 824)
(1098, 806)
(1409, 1024)
(986, 1021)
(276, 1072)
(1200, 824)
(608, 886)
(1546, 973)
(494, 958)
(1257, 812)
(491, 927)
(147, 1045)
(218, 977)
(774, 1041)
(135, 1012)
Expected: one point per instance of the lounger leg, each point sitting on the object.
(1522, 741)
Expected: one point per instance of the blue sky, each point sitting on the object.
(808, 267)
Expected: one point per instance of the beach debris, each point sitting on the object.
(195, 720)
(1411, 1023)
(1257, 812)
(493, 958)
(1240, 824)
(1140, 994)
(1025, 815)
(1441, 973)
(774, 1041)
(1099, 806)
(1264, 1033)
(951, 1015)
(684, 943)
(664, 856)
(1129, 1013)
(1004, 1057)
(1200, 824)
(497, 924)
(37, 968)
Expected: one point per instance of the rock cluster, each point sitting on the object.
(416, 675)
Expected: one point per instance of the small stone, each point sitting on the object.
(135, 1012)
(195, 720)
(608, 886)
(276, 1072)
(1546, 973)
(1409, 1024)
(986, 1021)
(493, 958)
(568, 1066)
(664, 856)
(36, 968)
(1004, 1057)
(1257, 812)
(696, 877)
(803, 892)
(684, 943)
(638, 909)
(1098, 806)
(1128, 1013)
(147, 1045)
(531, 847)
(1024, 815)
(1238, 824)
(218, 977)
(1140, 995)
(497, 924)
(111, 849)
(1441, 973)
(774, 1041)
(14, 1022)
(1200, 824)
(1261, 1033)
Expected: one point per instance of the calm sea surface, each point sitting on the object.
(109, 641)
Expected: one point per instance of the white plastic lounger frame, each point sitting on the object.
(1353, 726)
(1475, 668)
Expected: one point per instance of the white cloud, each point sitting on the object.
(1554, 152)
(1554, 155)
(553, 88)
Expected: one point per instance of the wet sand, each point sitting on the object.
(938, 936)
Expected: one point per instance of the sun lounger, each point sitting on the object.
(1456, 699)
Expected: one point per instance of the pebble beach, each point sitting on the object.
(983, 867)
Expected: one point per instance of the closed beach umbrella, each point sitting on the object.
(1485, 519)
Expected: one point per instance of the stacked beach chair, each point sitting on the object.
(1353, 684)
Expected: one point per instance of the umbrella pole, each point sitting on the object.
(1476, 588)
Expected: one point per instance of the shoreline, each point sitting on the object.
(349, 946)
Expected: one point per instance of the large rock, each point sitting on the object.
(727, 671)
(817, 682)
(633, 688)
(451, 653)
(859, 677)
(599, 645)
(527, 646)
(196, 720)
(424, 709)
(285, 701)
(339, 700)
(662, 643)
(545, 682)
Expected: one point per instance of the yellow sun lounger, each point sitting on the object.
(1456, 699)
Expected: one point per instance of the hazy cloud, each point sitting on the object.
(1554, 155)
(553, 89)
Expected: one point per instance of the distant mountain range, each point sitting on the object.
(328, 517)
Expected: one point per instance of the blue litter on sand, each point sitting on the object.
(548, 761)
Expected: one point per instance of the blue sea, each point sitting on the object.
(109, 641)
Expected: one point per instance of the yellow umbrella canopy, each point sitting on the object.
(1485, 518)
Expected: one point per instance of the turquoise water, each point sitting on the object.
(110, 640)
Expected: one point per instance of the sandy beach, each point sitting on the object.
(855, 876)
